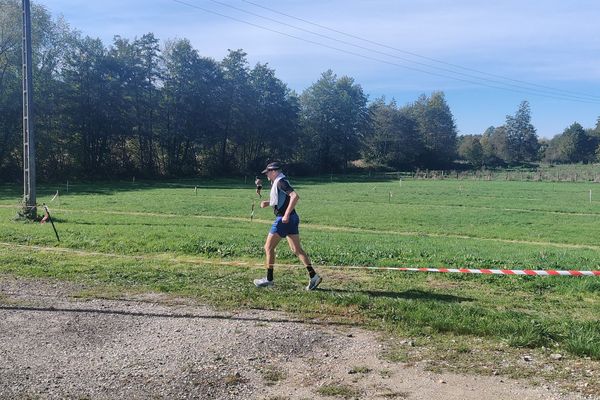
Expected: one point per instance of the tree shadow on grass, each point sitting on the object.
(232, 317)
(406, 295)
(14, 190)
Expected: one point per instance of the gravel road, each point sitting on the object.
(56, 345)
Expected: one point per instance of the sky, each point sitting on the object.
(487, 57)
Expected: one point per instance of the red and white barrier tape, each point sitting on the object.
(482, 271)
(529, 272)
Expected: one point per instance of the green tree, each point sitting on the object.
(86, 107)
(501, 145)
(10, 89)
(136, 67)
(193, 109)
(572, 146)
(493, 144)
(237, 101)
(577, 143)
(553, 153)
(437, 129)
(10, 42)
(334, 118)
(273, 128)
(53, 160)
(594, 135)
(471, 150)
(48, 44)
(522, 142)
(393, 139)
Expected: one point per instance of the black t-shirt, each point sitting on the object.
(284, 189)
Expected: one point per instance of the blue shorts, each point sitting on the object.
(291, 228)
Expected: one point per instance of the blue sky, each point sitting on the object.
(552, 44)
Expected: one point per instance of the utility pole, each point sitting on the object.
(29, 197)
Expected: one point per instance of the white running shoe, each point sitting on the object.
(314, 282)
(263, 282)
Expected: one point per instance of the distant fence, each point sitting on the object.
(541, 175)
(538, 176)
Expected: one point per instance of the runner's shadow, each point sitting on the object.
(407, 295)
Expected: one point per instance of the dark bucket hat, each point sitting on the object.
(274, 166)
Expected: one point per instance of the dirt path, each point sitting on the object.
(55, 345)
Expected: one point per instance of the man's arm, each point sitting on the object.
(292, 204)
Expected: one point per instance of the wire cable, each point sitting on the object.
(470, 76)
(589, 96)
(517, 89)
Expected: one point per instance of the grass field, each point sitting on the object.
(166, 236)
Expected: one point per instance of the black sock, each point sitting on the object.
(311, 271)
(270, 274)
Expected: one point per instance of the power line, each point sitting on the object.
(517, 89)
(579, 94)
(469, 76)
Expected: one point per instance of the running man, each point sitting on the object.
(283, 198)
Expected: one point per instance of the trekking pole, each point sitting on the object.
(48, 217)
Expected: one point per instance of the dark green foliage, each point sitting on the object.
(334, 118)
(437, 130)
(574, 145)
(522, 142)
(130, 109)
(470, 149)
(393, 138)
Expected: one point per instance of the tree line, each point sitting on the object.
(142, 108)
(507, 145)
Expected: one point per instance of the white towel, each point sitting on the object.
(274, 196)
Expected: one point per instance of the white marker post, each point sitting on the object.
(56, 196)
